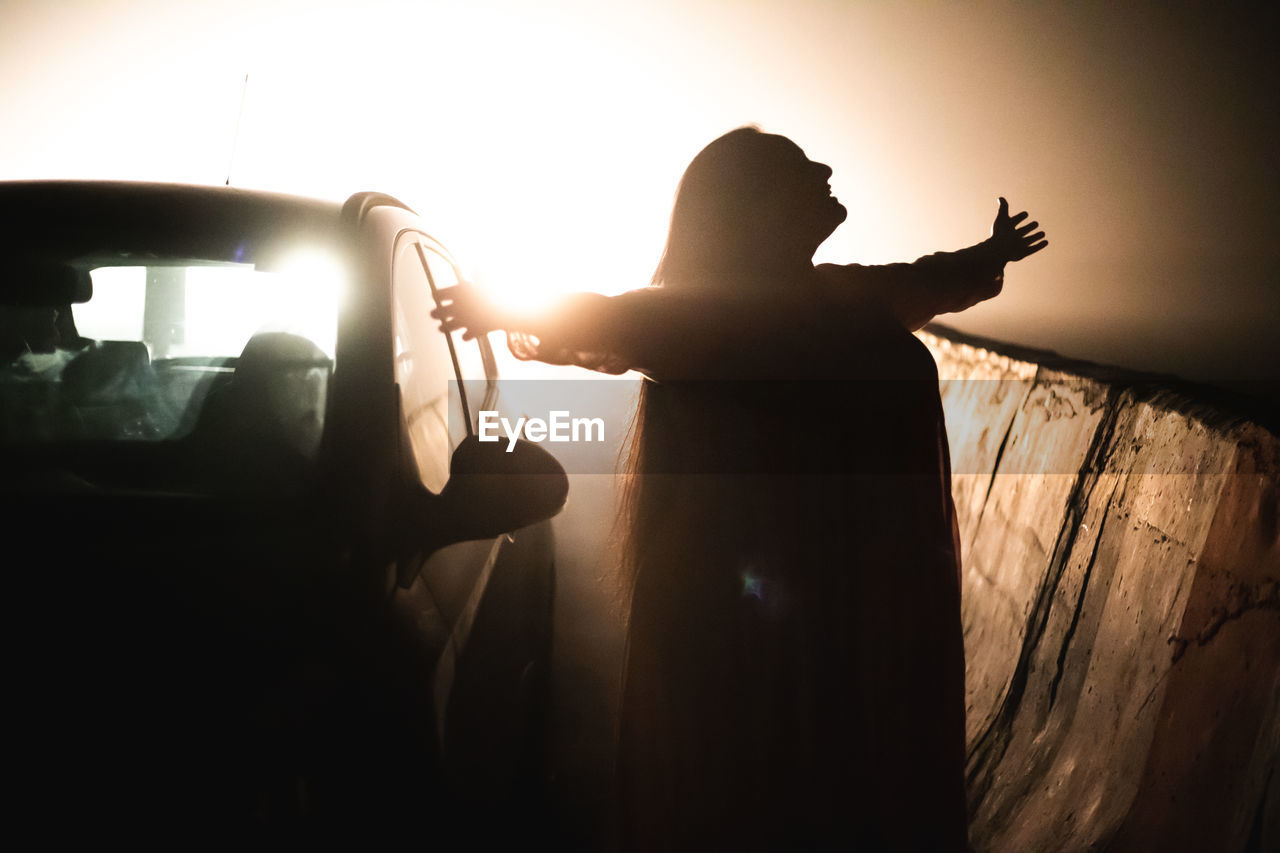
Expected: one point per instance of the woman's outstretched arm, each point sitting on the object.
(651, 330)
(580, 322)
(944, 282)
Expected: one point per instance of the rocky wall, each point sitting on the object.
(1121, 552)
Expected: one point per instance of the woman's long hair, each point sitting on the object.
(710, 244)
(710, 239)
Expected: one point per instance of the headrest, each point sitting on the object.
(268, 353)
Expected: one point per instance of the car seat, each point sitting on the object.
(110, 386)
(263, 426)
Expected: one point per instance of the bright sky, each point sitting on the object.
(543, 141)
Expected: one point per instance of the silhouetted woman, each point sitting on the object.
(794, 673)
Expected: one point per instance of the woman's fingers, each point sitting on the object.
(1030, 248)
(1015, 238)
(463, 307)
(451, 293)
(452, 321)
(468, 333)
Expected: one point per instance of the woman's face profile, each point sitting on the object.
(797, 195)
(750, 207)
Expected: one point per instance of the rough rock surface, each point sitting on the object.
(1121, 607)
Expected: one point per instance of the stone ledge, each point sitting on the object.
(1121, 537)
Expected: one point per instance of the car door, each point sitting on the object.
(431, 373)
(490, 684)
(444, 383)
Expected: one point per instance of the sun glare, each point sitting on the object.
(535, 195)
(310, 295)
(539, 146)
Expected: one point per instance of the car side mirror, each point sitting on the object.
(491, 491)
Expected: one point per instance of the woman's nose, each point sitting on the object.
(824, 170)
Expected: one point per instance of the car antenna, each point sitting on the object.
(235, 136)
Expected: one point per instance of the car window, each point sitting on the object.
(146, 356)
(203, 310)
(423, 366)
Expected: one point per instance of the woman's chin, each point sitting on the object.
(836, 213)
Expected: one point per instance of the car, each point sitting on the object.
(261, 575)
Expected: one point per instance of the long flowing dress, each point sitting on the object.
(794, 674)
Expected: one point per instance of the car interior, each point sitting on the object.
(243, 417)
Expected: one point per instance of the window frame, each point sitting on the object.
(425, 247)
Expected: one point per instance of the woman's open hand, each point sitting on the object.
(1012, 240)
(464, 307)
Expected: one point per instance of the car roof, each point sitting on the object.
(71, 218)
